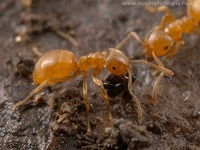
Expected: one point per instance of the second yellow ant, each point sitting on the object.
(165, 39)
(61, 66)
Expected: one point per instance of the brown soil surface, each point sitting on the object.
(97, 26)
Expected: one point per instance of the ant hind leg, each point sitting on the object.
(40, 87)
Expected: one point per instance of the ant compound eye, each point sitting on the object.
(166, 47)
(114, 68)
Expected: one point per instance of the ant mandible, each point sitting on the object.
(165, 39)
(61, 66)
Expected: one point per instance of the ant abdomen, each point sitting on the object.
(54, 66)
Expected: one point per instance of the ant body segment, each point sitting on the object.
(61, 65)
(163, 40)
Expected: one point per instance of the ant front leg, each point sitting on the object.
(125, 40)
(87, 105)
(155, 88)
(139, 108)
(160, 68)
(105, 96)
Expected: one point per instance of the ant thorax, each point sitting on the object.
(92, 60)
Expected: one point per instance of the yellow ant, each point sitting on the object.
(61, 66)
(165, 39)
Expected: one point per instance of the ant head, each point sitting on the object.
(193, 9)
(158, 41)
(116, 62)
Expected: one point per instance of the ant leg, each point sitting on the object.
(159, 63)
(157, 60)
(160, 8)
(139, 109)
(103, 92)
(165, 70)
(168, 18)
(155, 89)
(87, 105)
(40, 87)
(161, 68)
(125, 40)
